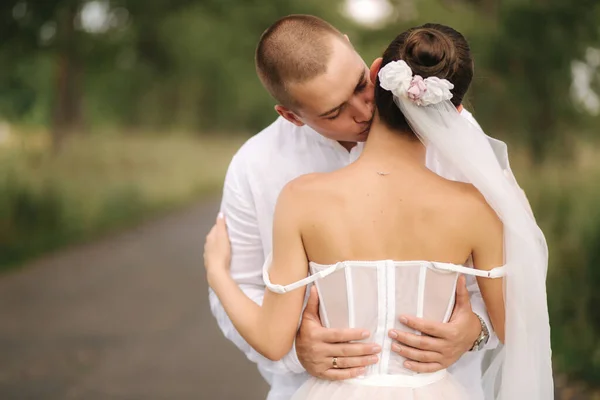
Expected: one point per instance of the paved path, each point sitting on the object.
(125, 317)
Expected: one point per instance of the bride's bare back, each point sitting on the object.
(358, 214)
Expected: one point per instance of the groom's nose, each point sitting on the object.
(363, 111)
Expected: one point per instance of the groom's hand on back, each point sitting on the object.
(317, 346)
(441, 344)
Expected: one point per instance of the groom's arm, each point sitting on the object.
(246, 262)
(479, 308)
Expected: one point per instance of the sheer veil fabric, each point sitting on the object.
(521, 368)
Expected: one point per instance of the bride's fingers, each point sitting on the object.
(210, 236)
(221, 224)
(339, 374)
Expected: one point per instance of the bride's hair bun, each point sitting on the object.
(429, 50)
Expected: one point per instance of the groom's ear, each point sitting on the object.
(374, 70)
(289, 115)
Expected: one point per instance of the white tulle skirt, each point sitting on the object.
(444, 388)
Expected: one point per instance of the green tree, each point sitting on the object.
(531, 55)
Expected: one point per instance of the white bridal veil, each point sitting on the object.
(521, 368)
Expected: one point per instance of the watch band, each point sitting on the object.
(483, 337)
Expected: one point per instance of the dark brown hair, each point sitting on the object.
(429, 50)
(294, 49)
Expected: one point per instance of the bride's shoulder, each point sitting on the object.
(475, 206)
(468, 194)
(464, 203)
(466, 197)
(462, 190)
(296, 199)
(305, 185)
(306, 189)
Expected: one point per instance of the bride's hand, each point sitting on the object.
(217, 250)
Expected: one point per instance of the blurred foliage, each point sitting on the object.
(100, 182)
(82, 68)
(564, 198)
(186, 64)
(533, 52)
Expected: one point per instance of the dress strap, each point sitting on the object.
(497, 272)
(280, 289)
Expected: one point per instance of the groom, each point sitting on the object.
(325, 105)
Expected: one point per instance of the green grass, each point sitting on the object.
(98, 183)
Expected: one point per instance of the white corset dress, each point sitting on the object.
(371, 295)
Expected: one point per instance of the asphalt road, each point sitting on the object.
(125, 317)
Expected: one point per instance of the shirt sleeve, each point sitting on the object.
(247, 259)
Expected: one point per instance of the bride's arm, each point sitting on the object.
(488, 253)
(270, 329)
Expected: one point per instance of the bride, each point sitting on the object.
(386, 236)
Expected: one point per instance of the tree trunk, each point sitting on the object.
(67, 106)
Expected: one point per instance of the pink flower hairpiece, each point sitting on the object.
(397, 77)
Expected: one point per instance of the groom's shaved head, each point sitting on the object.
(293, 50)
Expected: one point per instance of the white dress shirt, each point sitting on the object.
(256, 175)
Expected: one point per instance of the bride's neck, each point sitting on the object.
(392, 148)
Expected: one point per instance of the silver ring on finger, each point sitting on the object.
(335, 363)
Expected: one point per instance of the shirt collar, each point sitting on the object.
(314, 135)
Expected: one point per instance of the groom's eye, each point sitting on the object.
(362, 86)
(339, 111)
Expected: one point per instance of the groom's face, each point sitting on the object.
(338, 104)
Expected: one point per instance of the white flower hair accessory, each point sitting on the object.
(397, 77)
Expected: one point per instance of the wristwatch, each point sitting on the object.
(483, 337)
